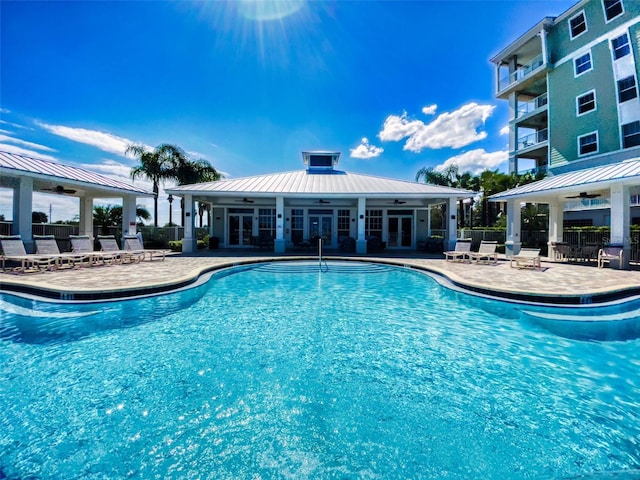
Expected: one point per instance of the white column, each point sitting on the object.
(428, 220)
(189, 240)
(361, 241)
(452, 223)
(543, 42)
(555, 226)
(85, 225)
(280, 242)
(513, 243)
(129, 215)
(620, 219)
(22, 209)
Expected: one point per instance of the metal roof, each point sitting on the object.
(14, 165)
(627, 172)
(321, 182)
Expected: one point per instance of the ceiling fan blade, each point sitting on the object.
(585, 195)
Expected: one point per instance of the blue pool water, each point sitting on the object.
(279, 371)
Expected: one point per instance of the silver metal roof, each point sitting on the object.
(588, 179)
(327, 183)
(46, 174)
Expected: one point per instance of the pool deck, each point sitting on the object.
(555, 283)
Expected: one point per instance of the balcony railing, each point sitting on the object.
(587, 204)
(533, 139)
(528, 107)
(521, 73)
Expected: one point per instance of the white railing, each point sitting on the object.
(521, 73)
(532, 105)
(533, 139)
(587, 204)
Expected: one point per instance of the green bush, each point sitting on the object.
(176, 245)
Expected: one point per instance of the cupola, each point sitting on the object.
(320, 161)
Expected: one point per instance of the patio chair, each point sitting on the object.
(609, 253)
(133, 244)
(108, 243)
(562, 251)
(461, 251)
(527, 258)
(486, 252)
(13, 250)
(84, 244)
(47, 245)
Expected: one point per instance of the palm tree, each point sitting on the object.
(111, 216)
(156, 166)
(187, 171)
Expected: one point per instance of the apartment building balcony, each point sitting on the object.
(531, 106)
(536, 140)
(522, 66)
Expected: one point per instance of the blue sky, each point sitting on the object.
(248, 85)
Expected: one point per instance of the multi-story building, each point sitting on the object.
(572, 86)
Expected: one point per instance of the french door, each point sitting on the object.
(400, 231)
(240, 230)
(321, 226)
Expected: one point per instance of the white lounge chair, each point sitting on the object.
(47, 245)
(527, 258)
(132, 244)
(486, 252)
(13, 250)
(84, 244)
(109, 244)
(611, 252)
(460, 252)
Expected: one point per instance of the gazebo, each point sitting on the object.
(320, 201)
(25, 175)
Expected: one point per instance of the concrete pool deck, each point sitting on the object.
(556, 282)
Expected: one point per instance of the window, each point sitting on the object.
(373, 224)
(631, 134)
(612, 8)
(627, 89)
(297, 226)
(267, 222)
(620, 46)
(583, 63)
(578, 24)
(588, 143)
(586, 102)
(344, 223)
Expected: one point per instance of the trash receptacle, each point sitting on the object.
(214, 242)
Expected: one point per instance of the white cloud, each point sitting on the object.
(396, 128)
(366, 150)
(6, 147)
(7, 138)
(456, 129)
(430, 110)
(504, 130)
(475, 161)
(112, 169)
(104, 141)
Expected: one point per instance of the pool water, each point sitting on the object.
(282, 371)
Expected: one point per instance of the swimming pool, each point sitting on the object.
(282, 371)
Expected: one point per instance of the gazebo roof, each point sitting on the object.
(310, 182)
(54, 177)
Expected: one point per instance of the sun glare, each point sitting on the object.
(267, 10)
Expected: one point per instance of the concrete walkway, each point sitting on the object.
(555, 282)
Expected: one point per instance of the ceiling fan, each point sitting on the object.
(585, 195)
(245, 200)
(397, 202)
(322, 201)
(60, 190)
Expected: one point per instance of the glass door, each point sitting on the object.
(240, 230)
(321, 226)
(400, 231)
